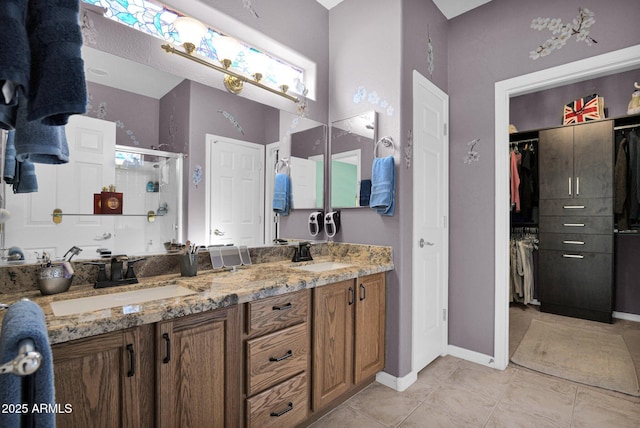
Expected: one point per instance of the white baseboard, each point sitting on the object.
(626, 316)
(397, 383)
(474, 357)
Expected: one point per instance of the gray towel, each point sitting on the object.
(21, 175)
(57, 86)
(25, 320)
(14, 55)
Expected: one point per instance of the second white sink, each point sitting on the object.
(323, 266)
(113, 300)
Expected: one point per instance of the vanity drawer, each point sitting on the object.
(275, 357)
(274, 313)
(284, 405)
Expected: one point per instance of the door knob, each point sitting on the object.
(422, 243)
(218, 232)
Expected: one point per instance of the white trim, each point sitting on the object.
(474, 357)
(597, 66)
(626, 316)
(397, 383)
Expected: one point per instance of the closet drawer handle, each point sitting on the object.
(573, 224)
(573, 242)
(569, 186)
(573, 256)
(573, 207)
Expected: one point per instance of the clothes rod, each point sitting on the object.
(616, 128)
(531, 140)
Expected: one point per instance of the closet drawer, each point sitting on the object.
(576, 207)
(581, 280)
(577, 224)
(576, 242)
(275, 357)
(284, 405)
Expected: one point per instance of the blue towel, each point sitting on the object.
(365, 192)
(14, 56)
(25, 319)
(21, 175)
(383, 185)
(57, 88)
(282, 194)
(37, 142)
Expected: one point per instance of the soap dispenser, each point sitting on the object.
(316, 222)
(332, 223)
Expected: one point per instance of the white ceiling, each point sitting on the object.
(449, 8)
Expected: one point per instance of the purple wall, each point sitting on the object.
(136, 116)
(486, 45)
(544, 109)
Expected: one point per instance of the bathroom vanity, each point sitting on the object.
(273, 343)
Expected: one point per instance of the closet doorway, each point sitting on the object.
(589, 68)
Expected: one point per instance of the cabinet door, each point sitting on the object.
(593, 159)
(100, 378)
(370, 327)
(555, 168)
(198, 375)
(333, 341)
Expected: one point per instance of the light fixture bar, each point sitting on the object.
(170, 49)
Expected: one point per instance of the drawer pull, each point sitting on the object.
(573, 256)
(573, 207)
(288, 354)
(282, 412)
(573, 224)
(573, 242)
(352, 296)
(283, 307)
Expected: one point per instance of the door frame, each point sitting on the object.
(270, 218)
(418, 78)
(597, 66)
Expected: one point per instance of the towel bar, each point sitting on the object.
(386, 142)
(26, 362)
(284, 162)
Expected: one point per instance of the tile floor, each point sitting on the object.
(451, 392)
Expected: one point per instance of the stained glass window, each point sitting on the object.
(156, 20)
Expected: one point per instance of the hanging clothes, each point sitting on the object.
(515, 158)
(522, 271)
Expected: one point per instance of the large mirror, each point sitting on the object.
(352, 152)
(168, 112)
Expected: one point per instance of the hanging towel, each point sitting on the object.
(365, 192)
(14, 57)
(383, 185)
(21, 175)
(282, 194)
(57, 87)
(25, 320)
(37, 142)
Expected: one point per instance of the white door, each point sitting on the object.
(430, 231)
(303, 182)
(69, 187)
(236, 191)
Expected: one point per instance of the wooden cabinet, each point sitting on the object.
(105, 379)
(198, 370)
(277, 348)
(575, 265)
(348, 336)
(178, 373)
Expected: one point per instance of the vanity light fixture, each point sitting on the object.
(192, 31)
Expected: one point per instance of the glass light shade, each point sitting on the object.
(190, 30)
(226, 47)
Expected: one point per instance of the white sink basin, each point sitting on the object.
(323, 266)
(126, 298)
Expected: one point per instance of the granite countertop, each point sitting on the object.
(212, 289)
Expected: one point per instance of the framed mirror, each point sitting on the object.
(306, 166)
(352, 152)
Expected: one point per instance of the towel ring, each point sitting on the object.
(284, 162)
(386, 142)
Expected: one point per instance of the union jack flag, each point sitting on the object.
(584, 109)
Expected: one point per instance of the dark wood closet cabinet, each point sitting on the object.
(575, 265)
